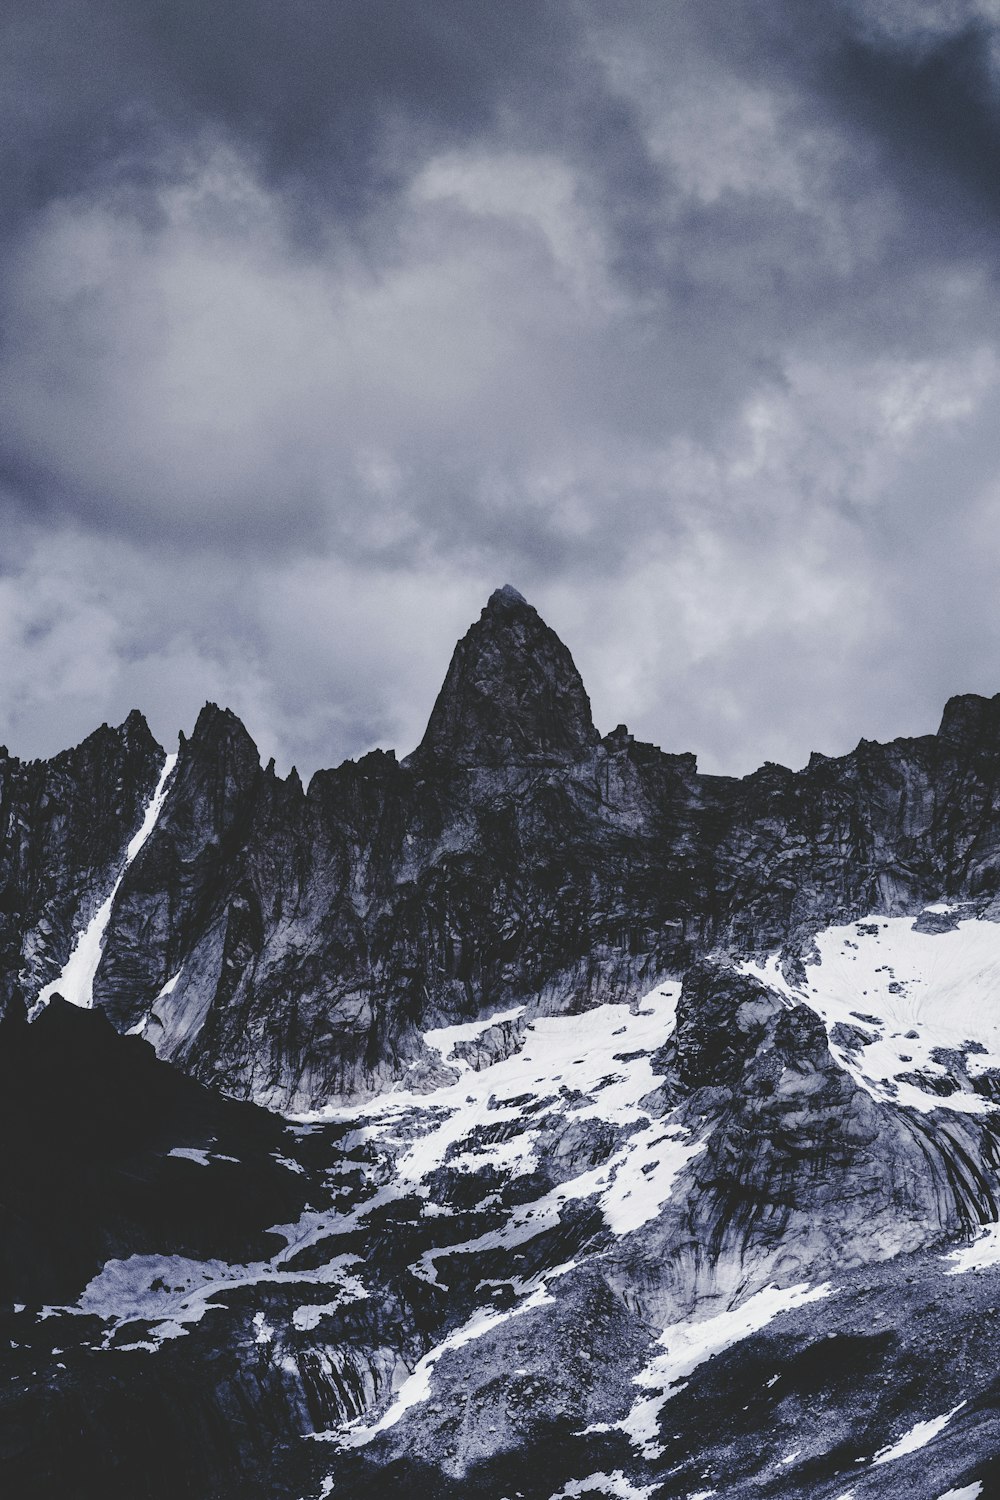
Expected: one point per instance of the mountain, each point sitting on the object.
(639, 1131)
(512, 695)
(308, 936)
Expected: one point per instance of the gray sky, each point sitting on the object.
(322, 318)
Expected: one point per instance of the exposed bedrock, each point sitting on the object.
(64, 827)
(803, 1178)
(233, 1340)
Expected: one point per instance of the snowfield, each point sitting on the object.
(895, 999)
(592, 1066)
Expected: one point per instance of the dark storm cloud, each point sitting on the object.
(319, 320)
(108, 89)
(330, 107)
(936, 106)
(919, 82)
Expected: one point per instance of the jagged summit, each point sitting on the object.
(512, 693)
(508, 595)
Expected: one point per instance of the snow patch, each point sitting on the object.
(288, 1163)
(642, 1175)
(202, 1157)
(904, 994)
(311, 1313)
(263, 1332)
(175, 1291)
(967, 1492)
(917, 1437)
(612, 1485)
(979, 1256)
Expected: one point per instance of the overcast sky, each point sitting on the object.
(320, 319)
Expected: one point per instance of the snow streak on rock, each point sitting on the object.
(76, 981)
(141, 1027)
(418, 1387)
(918, 1436)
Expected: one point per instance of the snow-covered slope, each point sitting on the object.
(529, 1276)
(911, 1006)
(577, 1071)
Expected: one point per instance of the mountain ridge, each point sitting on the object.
(309, 933)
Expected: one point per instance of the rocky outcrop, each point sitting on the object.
(512, 695)
(803, 1172)
(64, 828)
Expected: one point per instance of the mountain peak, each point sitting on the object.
(506, 596)
(512, 693)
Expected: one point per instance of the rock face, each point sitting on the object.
(803, 1173)
(512, 695)
(651, 1142)
(65, 825)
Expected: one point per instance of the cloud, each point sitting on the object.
(315, 657)
(318, 322)
(332, 102)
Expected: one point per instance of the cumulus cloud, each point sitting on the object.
(319, 322)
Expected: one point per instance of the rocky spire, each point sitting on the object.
(512, 693)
